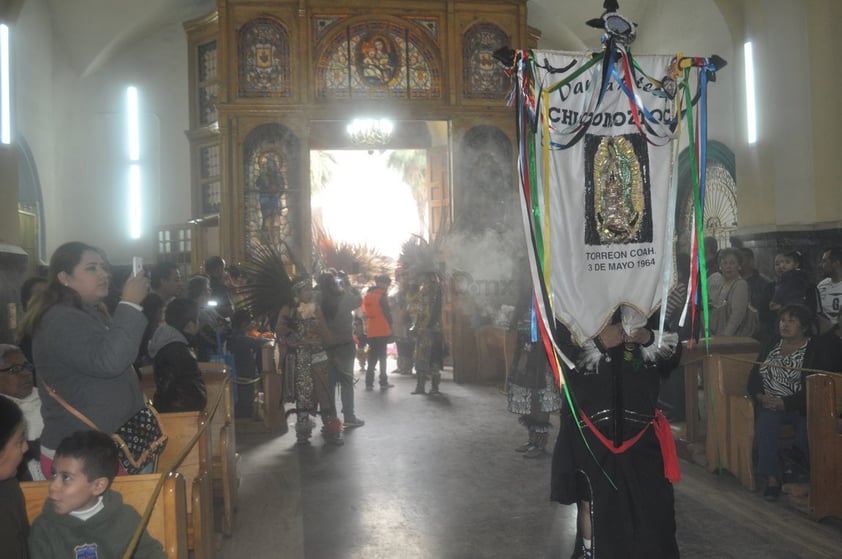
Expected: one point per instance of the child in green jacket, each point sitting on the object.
(82, 517)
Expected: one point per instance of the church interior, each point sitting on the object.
(177, 130)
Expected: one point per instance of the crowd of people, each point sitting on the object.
(743, 302)
(78, 357)
(74, 378)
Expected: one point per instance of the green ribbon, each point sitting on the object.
(694, 168)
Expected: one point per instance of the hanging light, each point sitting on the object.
(370, 132)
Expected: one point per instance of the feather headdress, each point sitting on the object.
(268, 287)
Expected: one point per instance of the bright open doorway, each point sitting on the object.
(375, 199)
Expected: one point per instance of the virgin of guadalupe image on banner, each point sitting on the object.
(617, 202)
(599, 139)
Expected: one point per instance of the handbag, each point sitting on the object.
(140, 439)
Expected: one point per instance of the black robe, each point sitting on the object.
(634, 517)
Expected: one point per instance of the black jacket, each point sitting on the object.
(178, 379)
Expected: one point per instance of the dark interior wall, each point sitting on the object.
(811, 243)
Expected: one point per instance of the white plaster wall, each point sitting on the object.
(95, 166)
(784, 113)
(38, 106)
(696, 28)
(75, 127)
(776, 173)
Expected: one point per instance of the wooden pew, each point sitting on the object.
(168, 522)
(223, 440)
(181, 428)
(824, 404)
(147, 382)
(730, 416)
(221, 435)
(693, 361)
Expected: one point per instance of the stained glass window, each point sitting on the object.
(208, 89)
(210, 183)
(378, 60)
(483, 76)
(207, 61)
(210, 197)
(270, 155)
(209, 156)
(264, 63)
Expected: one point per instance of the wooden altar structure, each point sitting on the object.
(272, 80)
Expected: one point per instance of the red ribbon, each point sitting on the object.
(608, 444)
(672, 471)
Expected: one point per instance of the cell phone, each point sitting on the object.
(137, 265)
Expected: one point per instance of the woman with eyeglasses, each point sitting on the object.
(80, 351)
(16, 384)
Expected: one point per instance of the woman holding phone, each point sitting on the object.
(80, 351)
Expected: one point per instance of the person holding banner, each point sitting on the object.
(616, 458)
(598, 201)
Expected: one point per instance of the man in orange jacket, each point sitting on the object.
(378, 329)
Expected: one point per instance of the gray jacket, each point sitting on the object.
(163, 336)
(341, 326)
(87, 359)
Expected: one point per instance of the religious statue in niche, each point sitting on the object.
(271, 186)
(377, 60)
(617, 181)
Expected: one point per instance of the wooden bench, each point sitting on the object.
(824, 404)
(147, 382)
(223, 440)
(181, 428)
(222, 435)
(730, 416)
(693, 361)
(168, 522)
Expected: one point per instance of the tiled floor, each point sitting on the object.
(437, 478)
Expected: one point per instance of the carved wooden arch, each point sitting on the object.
(377, 58)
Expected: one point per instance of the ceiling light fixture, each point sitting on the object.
(370, 132)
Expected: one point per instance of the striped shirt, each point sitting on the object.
(780, 373)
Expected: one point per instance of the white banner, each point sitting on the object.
(608, 193)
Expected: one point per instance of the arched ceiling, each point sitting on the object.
(91, 31)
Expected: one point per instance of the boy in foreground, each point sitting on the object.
(82, 517)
